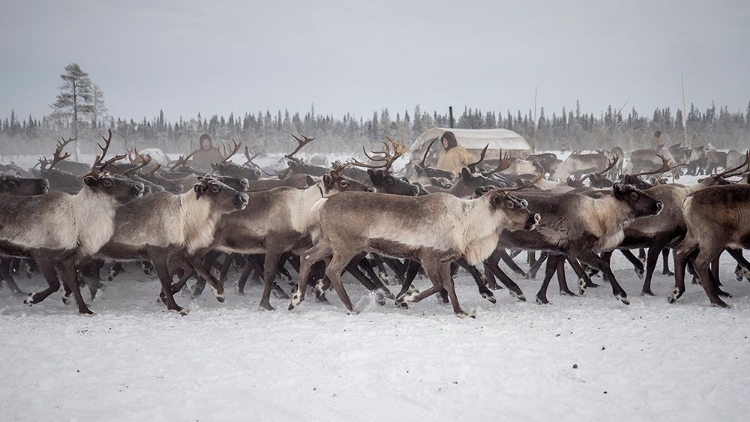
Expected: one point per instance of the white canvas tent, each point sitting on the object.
(474, 140)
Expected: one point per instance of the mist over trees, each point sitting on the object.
(270, 131)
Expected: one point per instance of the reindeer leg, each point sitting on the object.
(479, 279)
(160, 258)
(743, 266)
(374, 278)
(552, 262)
(333, 271)
(283, 272)
(208, 263)
(584, 282)
(447, 278)
(510, 263)
(537, 265)
(217, 287)
(653, 256)
(665, 262)
(706, 255)
(354, 270)
(637, 263)
(225, 266)
(407, 293)
(68, 271)
(561, 281)
(432, 268)
(489, 265)
(246, 270)
(318, 252)
(5, 275)
(513, 288)
(47, 268)
(269, 274)
(590, 258)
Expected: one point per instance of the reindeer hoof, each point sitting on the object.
(352, 312)
(85, 312)
(674, 294)
(566, 292)
(464, 315)
(180, 310)
(639, 272)
(647, 292)
(489, 296)
(267, 306)
(667, 273)
(540, 300)
(582, 286)
(623, 298)
(520, 297)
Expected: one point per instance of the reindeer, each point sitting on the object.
(715, 220)
(432, 229)
(598, 179)
(82, 224)
(381, 176)
(424, 172)
(277, 221)
(580, 226)
(579, 164)
(162, 226)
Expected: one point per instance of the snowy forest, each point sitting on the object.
(80, 109)
(269, 131)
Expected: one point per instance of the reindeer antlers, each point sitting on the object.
(727, 172)
(473, 166)
(609, 165)
(398, 150)
(252, 163)
(301, 144)
(427, 151)
(105, 148)
(146, 161)
(57, 157)
(182, 161)
(226, 156)
(664, 167)
(532, 183)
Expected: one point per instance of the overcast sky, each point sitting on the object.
(216, 57)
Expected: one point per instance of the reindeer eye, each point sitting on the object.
(634, 195)
(389, 181)
(344, 184)
(107, 183)
(525, 203)
(509, 204)
(215, 189)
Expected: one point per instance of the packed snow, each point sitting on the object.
(579, 358)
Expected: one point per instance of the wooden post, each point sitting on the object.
(450, 116)
(684, 112)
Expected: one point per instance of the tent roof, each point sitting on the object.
(476, 139)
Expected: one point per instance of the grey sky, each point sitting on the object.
(216, 57)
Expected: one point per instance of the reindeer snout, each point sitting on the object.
(241, 201)
(414, 190)
(44, 185)
(371, 189)
(533, 221)
(244, 184)
(137, 189)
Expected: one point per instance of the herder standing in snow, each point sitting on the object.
(453, 157)
(206, 155)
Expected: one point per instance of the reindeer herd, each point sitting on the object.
(69, 220)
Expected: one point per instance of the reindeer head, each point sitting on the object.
(98, 180)
(14, 185)
(641, 204)
(335, 182)
(515, 210)
(225, 199)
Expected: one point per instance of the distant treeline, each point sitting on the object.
(270, 132)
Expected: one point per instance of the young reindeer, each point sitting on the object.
(433, 229)
(59, 228)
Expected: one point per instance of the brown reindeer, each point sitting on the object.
(82, 224)
(433, 229)
(715, 220)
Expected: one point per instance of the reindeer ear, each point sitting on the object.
(617, 188)
(90, 180)
(465, 173)
(310, 181)
(200, 189)
(327, 180)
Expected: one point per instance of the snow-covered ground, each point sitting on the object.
(580, 358)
